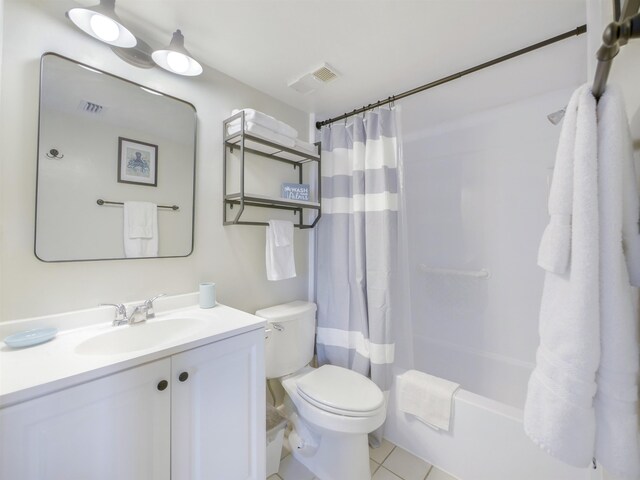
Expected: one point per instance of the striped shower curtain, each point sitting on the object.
(357, 245)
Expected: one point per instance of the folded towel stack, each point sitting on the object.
(267, 121)
(270, 128)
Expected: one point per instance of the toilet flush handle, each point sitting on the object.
(274, 326)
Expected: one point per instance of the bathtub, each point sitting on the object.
(486, 442)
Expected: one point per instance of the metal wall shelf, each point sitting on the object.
(249, 143)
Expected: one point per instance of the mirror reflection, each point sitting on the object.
(116, 167)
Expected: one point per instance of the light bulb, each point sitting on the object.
(178, 62)
(105, 28)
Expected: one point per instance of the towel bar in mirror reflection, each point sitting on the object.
(107, 202)
(158, 164)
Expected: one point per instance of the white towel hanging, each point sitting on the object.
(279, 252)
(140, 229)
(559, 414)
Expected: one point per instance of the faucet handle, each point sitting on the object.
(149, 305)
(121, 312)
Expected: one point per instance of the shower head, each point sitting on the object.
(556, 117)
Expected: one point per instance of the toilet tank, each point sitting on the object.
(291, 331)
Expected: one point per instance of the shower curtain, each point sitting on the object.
(357, 246)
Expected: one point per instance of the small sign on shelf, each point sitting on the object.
(295, 191)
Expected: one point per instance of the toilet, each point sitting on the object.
(332, 409)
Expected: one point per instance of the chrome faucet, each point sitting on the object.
(148, 304)
(121, 313)
(141, 313)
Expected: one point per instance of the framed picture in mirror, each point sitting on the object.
(137, 162)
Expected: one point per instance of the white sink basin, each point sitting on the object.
(131, 338)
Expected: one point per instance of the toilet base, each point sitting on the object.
(338, 457)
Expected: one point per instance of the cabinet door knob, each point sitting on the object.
(162, 385)
(183, 376)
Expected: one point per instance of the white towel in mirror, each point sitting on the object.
(140, 229)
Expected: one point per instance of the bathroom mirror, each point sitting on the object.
(103, 141)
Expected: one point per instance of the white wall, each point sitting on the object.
(1, 176)
(233, 257)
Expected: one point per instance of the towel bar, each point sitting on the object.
(106, 202)
(482, 273)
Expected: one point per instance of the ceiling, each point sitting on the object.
(379, 47)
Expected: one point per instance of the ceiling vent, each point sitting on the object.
(314, 80)
(325, 74)
(90, 107)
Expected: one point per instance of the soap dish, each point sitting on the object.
(30, 337)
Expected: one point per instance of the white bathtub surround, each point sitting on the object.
(559, 415)
(588, 316)
(428, 398)
(486, 442)
(616, 402)
(357, 245)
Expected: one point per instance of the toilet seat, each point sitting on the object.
(341, 391)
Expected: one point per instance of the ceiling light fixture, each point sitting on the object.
(101, 22)
(177, 59)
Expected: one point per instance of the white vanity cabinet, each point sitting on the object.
(116, 427)
(198, 414)
(218, 411)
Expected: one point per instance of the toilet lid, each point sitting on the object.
(342, 391)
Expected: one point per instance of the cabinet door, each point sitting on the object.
(218, 412)
(116, 427)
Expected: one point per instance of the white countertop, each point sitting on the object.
(34, 371)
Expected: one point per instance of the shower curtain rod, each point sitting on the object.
(571, 33)
(625, 27)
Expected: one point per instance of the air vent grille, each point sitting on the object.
(91, 107)
(325, 74)
(314, 80)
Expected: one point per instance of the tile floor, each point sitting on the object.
(388, 462)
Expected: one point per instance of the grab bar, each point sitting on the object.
(482, 273)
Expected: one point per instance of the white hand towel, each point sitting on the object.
(616, 401)
(559, 414)
(279, 250)
(267, 121)
(140, 229)
(428, 398)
